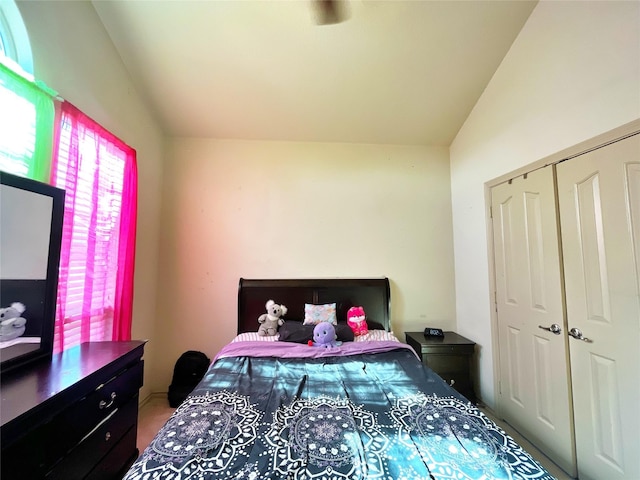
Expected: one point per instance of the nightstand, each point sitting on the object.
(450, 357)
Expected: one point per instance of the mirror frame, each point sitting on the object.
(51, 289)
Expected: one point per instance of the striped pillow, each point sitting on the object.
(376, 336)
(254, 337)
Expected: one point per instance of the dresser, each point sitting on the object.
(450, 357)
(74, 417)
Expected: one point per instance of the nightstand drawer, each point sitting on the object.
(447, 363)
(462, 383)
(459, 381)
(467, 349)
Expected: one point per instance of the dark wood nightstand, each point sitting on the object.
(450, 357)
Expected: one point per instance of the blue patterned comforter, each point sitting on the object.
(367, 416)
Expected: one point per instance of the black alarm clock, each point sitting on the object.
(433, 332)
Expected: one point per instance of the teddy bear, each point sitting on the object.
(12, 324)
(356, 319)
(271, 320)
(324, 335)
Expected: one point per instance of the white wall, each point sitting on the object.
(287, 210)
(74, 56)
(572, 73)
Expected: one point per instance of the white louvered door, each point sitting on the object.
(599, 198)
(534, 391)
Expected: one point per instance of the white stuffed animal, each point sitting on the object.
(12, 324)
(270, 321)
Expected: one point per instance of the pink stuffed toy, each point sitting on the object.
(356, 319)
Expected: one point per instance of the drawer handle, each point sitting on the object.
(103, 404)
(107, 436)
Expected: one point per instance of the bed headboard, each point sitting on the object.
(371, 293)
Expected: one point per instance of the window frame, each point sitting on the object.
(15, 39)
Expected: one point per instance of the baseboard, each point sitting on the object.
(150, 397)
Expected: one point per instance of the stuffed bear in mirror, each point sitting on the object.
(12, 323)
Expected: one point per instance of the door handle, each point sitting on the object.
(577, 334)
(554, 328)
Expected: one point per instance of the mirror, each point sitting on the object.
(31, 218)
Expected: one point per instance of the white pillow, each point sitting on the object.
(315, 314)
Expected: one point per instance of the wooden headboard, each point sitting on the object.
(372, 294)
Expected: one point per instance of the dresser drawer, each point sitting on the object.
(95, 407)
(82, 459)
(31, 456)
(118, 460)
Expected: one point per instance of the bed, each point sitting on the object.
(277, 408)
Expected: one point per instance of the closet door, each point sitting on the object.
(599, 198)
(534, 389)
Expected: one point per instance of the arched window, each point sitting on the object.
(14, 40)
(97, 171)
(27, 116)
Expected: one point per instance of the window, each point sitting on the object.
(98, 173)
(14, 40)
(27, 113)
(97, 170)
(26, 126)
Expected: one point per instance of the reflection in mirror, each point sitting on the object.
(30, 234)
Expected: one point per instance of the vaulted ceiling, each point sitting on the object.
(394, 72)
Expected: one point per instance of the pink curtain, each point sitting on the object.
(95, 288)
(123, 310)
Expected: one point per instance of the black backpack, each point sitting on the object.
(189, 370)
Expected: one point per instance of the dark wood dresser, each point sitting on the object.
(450, 357)
(75, 417)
